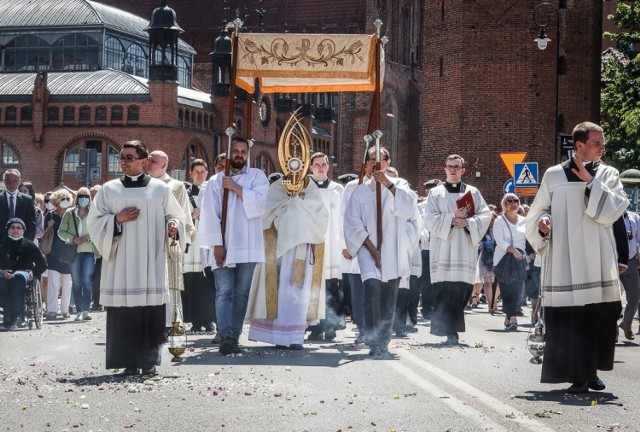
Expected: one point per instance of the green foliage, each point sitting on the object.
(620, 96)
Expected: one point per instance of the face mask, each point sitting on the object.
(83, 202)
(16, 238)
(49, 206)
(65, 204)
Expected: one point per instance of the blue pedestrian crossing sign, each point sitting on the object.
(525, 174)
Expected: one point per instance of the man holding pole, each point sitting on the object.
(238, 247)
(381, 265)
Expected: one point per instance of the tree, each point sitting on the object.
(620, 95)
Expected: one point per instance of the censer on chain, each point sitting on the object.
(177, 333)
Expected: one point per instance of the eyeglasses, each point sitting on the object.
(83, 196)
(512, 201)
(453, 167)
(129, 159)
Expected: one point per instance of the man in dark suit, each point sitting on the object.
(14, 204)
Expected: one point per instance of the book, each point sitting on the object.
(466, 200)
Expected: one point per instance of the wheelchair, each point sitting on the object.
(33, 304)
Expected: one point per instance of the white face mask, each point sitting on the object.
(65, 204)
(49, 206)
(16, 238)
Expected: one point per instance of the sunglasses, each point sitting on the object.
(512, 201)
(129, 159)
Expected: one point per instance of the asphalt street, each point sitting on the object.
(53, 379)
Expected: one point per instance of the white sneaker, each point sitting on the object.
(85, 316)
(79, 317)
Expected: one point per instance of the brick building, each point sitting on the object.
(461, 76)
(74, 75)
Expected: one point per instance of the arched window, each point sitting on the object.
(180, 117)
(26, 113)
(264, 163)
(9, 157)
(53, 114)
(85, 114)
(133, 113)
(117, 113)
(75, 52)
(69, 114)
(191, 152)
(136, 61)
(72, 157)
(114, 54)
(101, 114)
(199, 125)
(10, 114)
(27, 53)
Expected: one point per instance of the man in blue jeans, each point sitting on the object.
(241, 246)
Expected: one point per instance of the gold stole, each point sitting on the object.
(297, 276)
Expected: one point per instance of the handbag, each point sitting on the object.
(488, 249)
(511, 270)
(46, 241)
(68, 251)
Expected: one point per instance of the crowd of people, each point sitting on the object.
(298, 261)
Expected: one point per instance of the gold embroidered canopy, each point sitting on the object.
(284, 62)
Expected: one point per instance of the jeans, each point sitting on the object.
(82, 269)
(232, 285)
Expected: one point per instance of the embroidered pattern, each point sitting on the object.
(579, 287)
(324, 54)
(601, 203)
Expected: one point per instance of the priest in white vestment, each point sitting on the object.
(331, 193)
(286, 295)
(131, 222)
(157, 168)
(236, 251)
(569, 225)
(453, 236)
(382, 269)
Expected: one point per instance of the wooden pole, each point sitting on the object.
(232, 96)
(376, 123)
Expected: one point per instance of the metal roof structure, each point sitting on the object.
(68, 14)
(92, 84)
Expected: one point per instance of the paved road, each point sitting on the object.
(54, 379)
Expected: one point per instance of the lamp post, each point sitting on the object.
(542, 15)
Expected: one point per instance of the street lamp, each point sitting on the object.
(542, 15)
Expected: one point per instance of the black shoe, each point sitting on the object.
(226, 346)
(216, 339)
(578, 388)
(329, 336)
(296, 347)
(209, 328)
(129, 371)
(401, 334)
(150, 371)
(375, 351)
(411, 329)
(235, 348)
(452, 340)
(315, 336)
(597, 385)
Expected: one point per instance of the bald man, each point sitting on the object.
(157, 164)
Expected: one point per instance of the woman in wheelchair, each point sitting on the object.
(20, 262)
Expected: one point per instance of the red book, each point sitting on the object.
(466, 200)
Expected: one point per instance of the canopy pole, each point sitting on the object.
(236, 24)
(377, 134)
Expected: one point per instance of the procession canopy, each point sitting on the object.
(285, 62)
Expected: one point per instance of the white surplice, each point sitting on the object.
(579, 259)
(360, 223)
(134, 263)
(334, 241)
(454, 251)
(244, 241)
